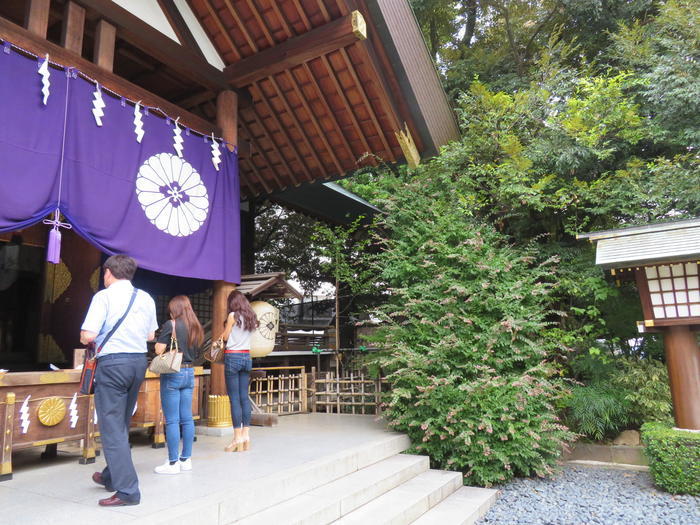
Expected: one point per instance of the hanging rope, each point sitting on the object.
(53, 251)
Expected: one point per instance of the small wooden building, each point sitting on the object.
(664, 261)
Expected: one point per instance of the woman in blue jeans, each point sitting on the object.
(240, 324)
(176, 389)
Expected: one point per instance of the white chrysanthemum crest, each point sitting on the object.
(45, 74)
(98, 105)
(215, 153)
(177, 139)
(172, 194)
(138, 122)
(73, 410)
(24, 414)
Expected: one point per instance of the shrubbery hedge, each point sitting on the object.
(674, 458)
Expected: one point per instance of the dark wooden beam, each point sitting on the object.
(297, 50)
(172, 13)
(39, 46)
(36, 17)
(151, 41)
(105, 43)
(73, 27)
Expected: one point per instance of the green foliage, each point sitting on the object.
(665, 52)
(674, 458)
(465, 336)
(597, 411)
(645, 383)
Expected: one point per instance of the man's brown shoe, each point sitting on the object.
(115, 501)
(97, 478)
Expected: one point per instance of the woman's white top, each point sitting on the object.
(239, 339)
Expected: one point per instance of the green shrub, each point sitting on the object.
(647, 392)
(467, 349)
(674, 458)
(597, 411)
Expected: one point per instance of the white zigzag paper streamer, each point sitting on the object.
(215, 153)
(177, 139)
(73, 410)
(94, 416)
(98, 105)
(46, 84)
(136, 405)
(138, 123)
(24, 414)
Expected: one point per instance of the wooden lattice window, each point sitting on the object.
(674, 290)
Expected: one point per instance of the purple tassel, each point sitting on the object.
(53, 252)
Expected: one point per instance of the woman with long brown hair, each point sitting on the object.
(176, 388)
(240, 324)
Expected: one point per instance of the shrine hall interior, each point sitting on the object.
(307, 90)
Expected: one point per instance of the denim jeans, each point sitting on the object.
(176, 398)
(237, 373)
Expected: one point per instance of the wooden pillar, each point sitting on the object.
(36, 17)
(227, 120)
(73, 28)
(248, 238)
(683, 361)
(105, 43)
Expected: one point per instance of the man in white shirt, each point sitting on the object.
(121, 367)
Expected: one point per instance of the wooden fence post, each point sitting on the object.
(6, 425)
(88, 452)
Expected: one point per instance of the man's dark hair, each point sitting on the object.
(121, 266)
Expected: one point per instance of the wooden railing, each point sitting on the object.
(287, 341)
(282, 391)
(291, 390)
(353, 394)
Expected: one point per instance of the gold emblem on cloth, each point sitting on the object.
(51, 411)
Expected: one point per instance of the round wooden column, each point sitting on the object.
(227, 120)
(683, 361)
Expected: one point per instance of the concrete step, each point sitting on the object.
(224, 507)
(293, 482)
(408, 501)
(462, 507)
(338, 498)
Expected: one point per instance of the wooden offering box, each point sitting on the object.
(149, 413)
(44, 408)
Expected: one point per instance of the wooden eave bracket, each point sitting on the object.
(295, 51)
(408, 146)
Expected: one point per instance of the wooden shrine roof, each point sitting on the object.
(268, 286)
(324, 117)
(325, 86)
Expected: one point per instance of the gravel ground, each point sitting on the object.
(587, 495)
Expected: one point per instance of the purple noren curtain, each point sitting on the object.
(175, 215)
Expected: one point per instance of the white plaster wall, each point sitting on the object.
(150, 12)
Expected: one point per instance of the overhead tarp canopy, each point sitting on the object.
(170, 200)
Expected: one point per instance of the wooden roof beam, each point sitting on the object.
(39, 46)
(180, 58)
(297, 50)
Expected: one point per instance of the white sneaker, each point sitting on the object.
(167, 468)
(186, 465)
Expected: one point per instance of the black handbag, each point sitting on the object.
(87, 376)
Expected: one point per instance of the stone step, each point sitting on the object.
(408, 501)
(338, 498)
(224, 507)
(462, 507)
